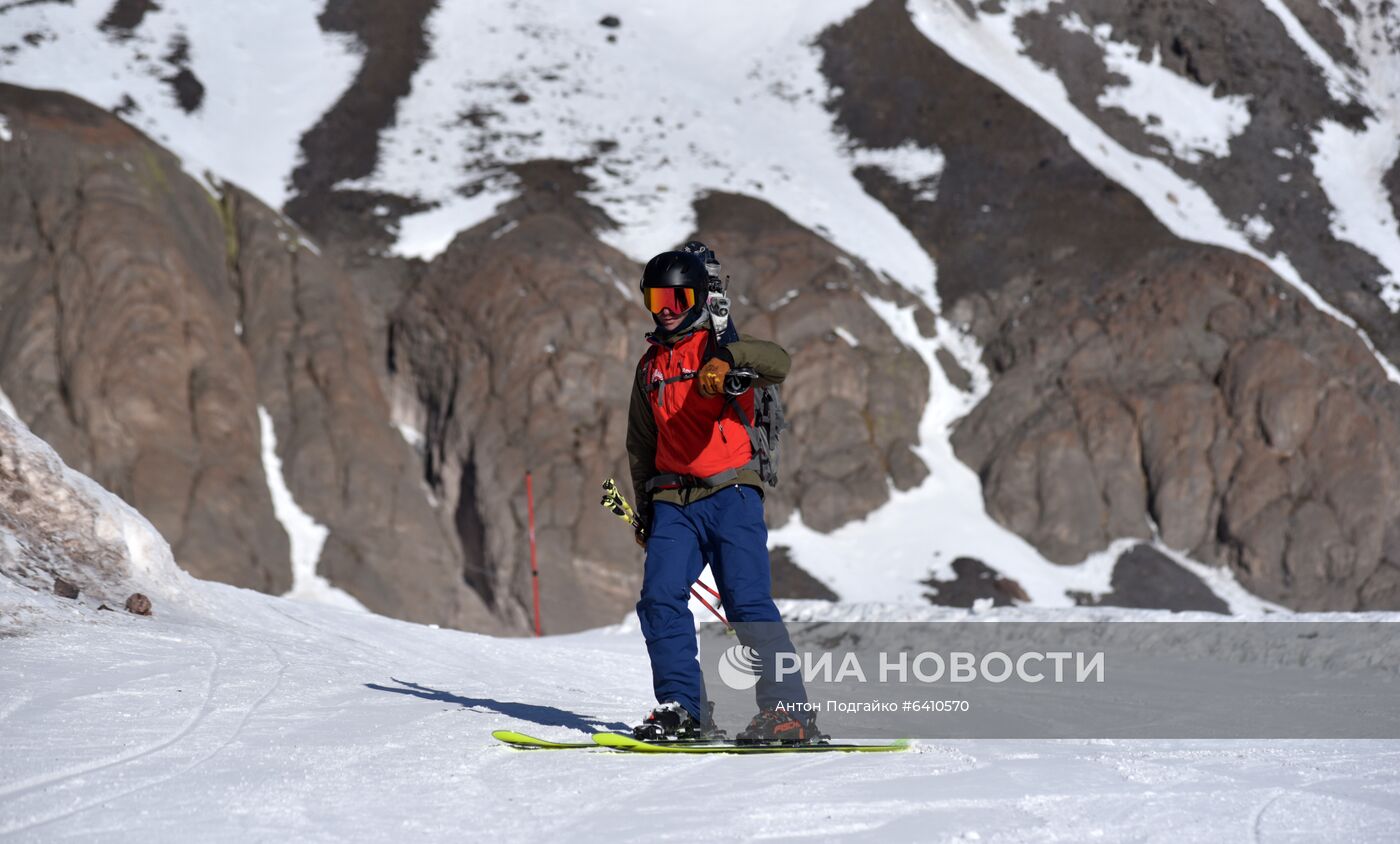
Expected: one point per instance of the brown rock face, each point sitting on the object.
(64, 589)
(1145, 578)
(344, 143)
(791, 581)
(116, 333)
(1139, 380)
(521, 341)
(1014, 197)
(520, 346)
(1201, 393)
(1238, 49)
(144, 321)
(973, 581)
(344, 463)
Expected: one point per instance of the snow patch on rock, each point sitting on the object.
(919, 532)
(411, 435)
(1257, 228)
(989, 46)
(910, 164)
(1342, 84)
(1351, 166)
(307, 536)
(1193, 119)
(7, 406)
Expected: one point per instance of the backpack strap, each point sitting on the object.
(673, 481)
(758, 440)
(659, 387)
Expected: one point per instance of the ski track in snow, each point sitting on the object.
(273, 719)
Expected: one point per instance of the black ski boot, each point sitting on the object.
(771, 726)
(671, 722)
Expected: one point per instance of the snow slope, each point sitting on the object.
(263, 63)
(659, 121)
(269, 719)
(231, 715)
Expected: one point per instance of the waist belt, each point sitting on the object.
(671, 481)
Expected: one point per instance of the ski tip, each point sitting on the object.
(521, 740)
(508, 735)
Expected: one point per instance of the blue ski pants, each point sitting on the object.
(726, 529)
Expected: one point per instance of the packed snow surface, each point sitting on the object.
(270, 719)
(231, 715)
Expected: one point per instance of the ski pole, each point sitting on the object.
(615, 501)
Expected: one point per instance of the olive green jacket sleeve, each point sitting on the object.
(769, 360)
(641, 447)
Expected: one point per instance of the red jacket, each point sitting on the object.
(695, 435)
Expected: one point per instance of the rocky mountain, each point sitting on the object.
(147, 325)
(1064, 282)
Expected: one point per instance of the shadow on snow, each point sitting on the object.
(545, 716)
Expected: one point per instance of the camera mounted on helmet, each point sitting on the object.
(717, 300)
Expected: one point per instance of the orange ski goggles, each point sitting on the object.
(676, 299)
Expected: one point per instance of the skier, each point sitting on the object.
(700, 500)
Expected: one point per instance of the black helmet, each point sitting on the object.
(685, 274)
(676, 269)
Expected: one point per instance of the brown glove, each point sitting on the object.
(640, 537)
(712, 377)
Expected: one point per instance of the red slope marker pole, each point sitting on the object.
(706, 587)
(534, 564)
